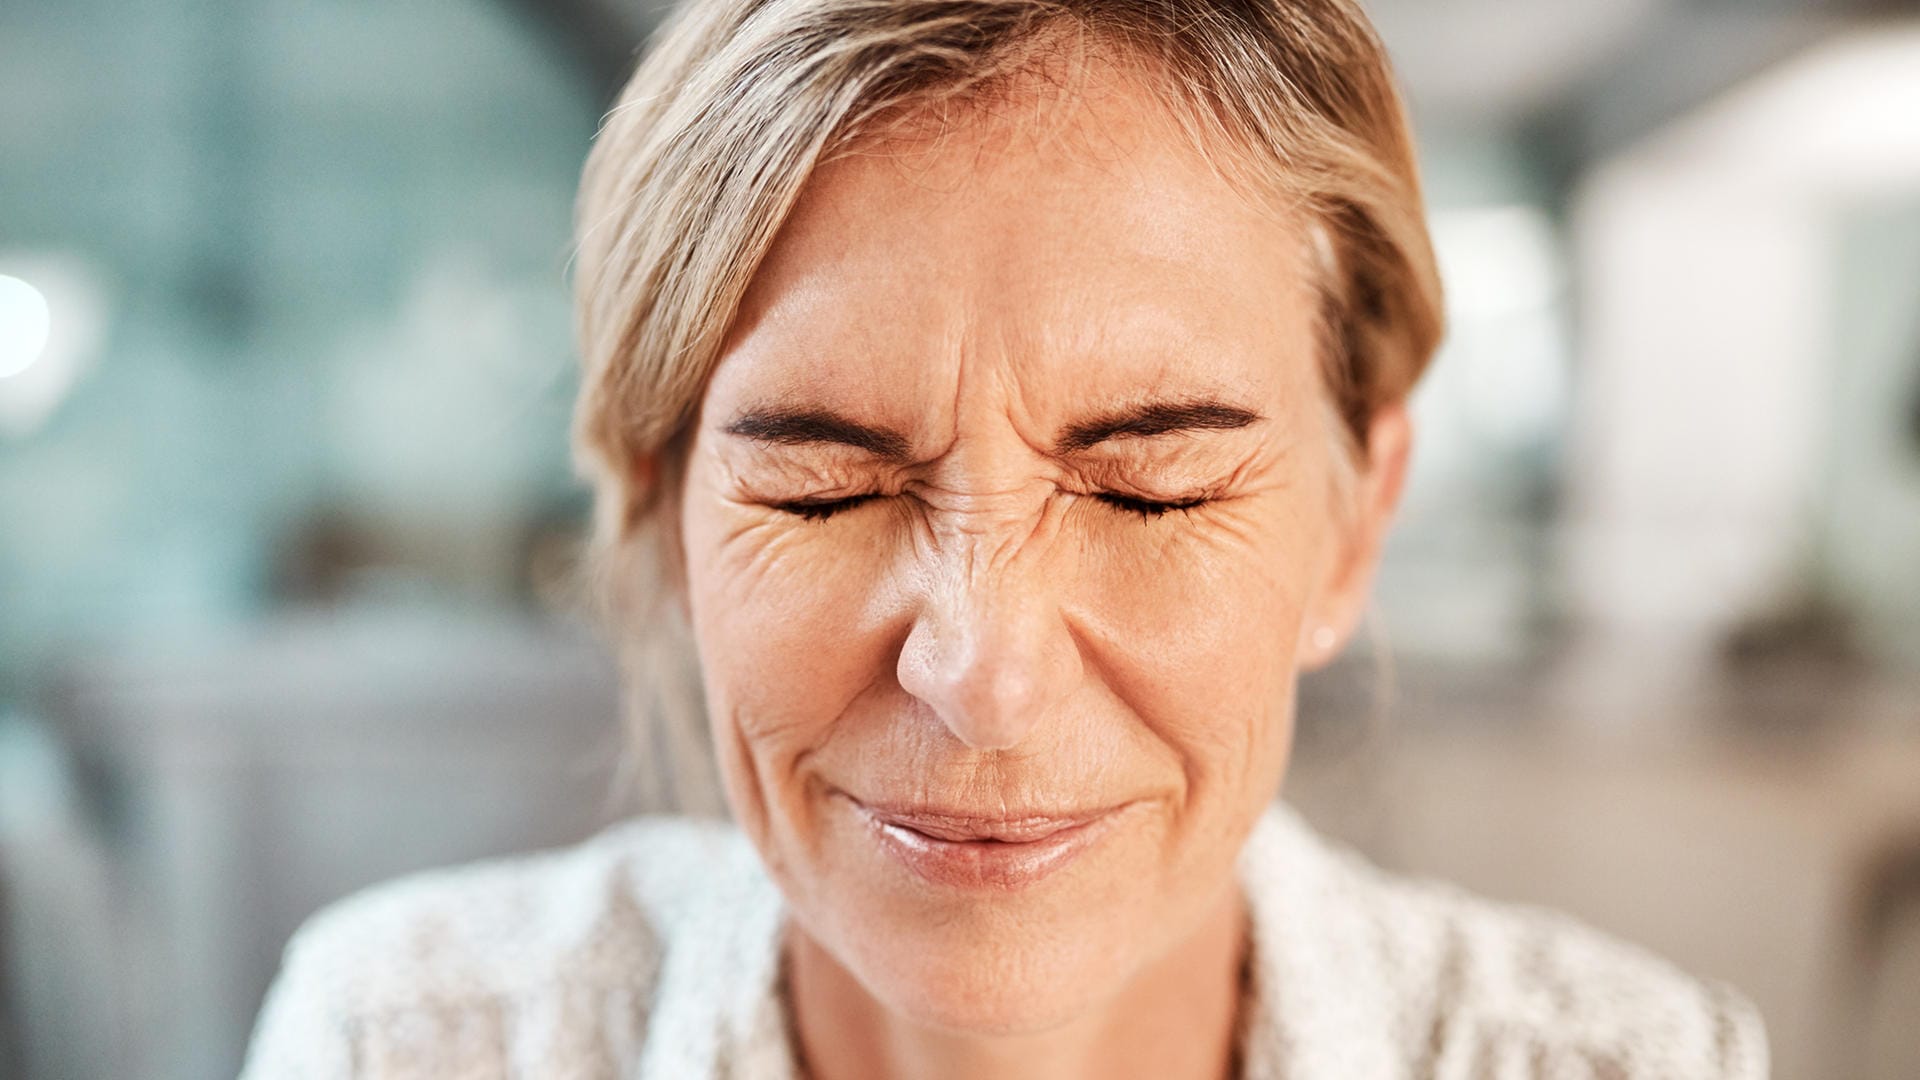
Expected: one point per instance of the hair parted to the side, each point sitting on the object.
(738, 101)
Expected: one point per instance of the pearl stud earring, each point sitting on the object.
(1324, 639)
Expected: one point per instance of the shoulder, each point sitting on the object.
(1506, 980)
(1474, 987)
(469, 963)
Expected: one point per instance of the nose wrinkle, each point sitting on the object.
(989, 651)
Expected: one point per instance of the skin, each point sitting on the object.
(995, 623)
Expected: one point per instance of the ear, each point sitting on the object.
(1362, 531)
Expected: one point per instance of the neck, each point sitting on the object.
(1176, 1019)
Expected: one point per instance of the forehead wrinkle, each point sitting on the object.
(1169, 357)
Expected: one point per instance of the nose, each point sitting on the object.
(990, 651)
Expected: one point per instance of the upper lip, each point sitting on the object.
(958, 825)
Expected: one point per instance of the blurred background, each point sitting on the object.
(286, 508)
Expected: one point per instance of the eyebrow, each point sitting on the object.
(802, 427)
(1154, 418)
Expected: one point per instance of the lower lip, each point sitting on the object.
(985, 864)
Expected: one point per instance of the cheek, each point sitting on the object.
(1203, 630)
(786, 615)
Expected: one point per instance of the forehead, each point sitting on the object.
(1068, 233)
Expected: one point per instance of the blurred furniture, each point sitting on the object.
(243, 783)
(12, 1055)
(1881, 1001)
(62, 1012)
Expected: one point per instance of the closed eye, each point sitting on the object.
(821, 509)
(1146, 508)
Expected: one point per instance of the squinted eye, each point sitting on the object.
(821, 509)
(1146, 508)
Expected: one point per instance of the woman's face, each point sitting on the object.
(1010, 517)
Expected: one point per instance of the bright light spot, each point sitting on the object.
(1496, 260)
(25, 323)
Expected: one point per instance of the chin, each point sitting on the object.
(1015, 980)
(1014, 934)
(988, 960)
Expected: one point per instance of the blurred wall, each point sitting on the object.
(310, 351)
(308, 260)
(1868, 512)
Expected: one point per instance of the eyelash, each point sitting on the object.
(1146, 508)
(820, 511)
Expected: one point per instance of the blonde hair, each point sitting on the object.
(697, 166)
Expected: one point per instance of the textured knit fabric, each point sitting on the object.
(652, 951)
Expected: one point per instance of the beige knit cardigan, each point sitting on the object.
(651, 952)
